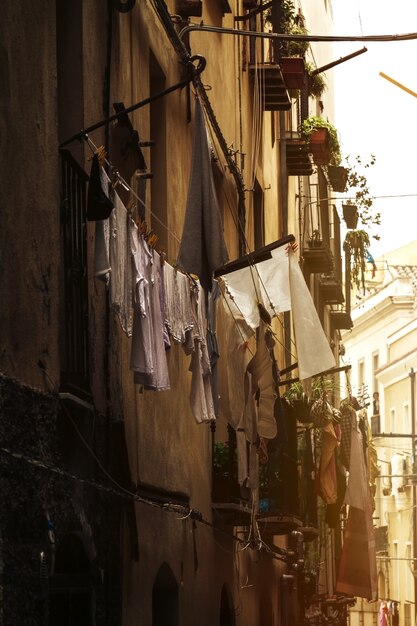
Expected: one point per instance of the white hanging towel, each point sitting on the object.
(313, 349)
(278, 284)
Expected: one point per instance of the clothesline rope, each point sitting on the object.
(128, 187)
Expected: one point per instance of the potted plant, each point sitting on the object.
(350, 215)
(338, 177)
(301, 403)
(323, 140)
(293, 71)
(357, 184)
(315, 240)
(357, 243)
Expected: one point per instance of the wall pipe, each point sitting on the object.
(412, 375)
(291, 37)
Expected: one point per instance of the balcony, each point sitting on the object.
(273, 90)
(318, 258)
(231, 505)
(341, 320)
(297, 156)
(331, 289)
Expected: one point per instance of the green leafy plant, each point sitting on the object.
(357, 184)
(294, 48)
(291, 23)
(358, 243)
(319, 386)
(313, 123)
(301, 402)
(316, 83)
(221, 459)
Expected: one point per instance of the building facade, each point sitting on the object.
(109, 511)
(380, 349)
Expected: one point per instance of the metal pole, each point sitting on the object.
(412, 375)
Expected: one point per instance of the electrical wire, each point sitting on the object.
(182, 511)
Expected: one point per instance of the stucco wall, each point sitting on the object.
(29, 234)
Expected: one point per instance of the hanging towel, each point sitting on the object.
(279, 285)
(327, 473)
(357, 571)
(313, 349)
(202, 248)
(263, 386)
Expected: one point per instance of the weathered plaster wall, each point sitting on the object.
(29, 200)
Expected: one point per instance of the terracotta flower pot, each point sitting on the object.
(293, 71)
(350, 215)
(338, 176)
(319, 146)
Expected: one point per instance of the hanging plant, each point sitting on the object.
(316, 83)
(314, 123)
(357, 184)
(358, 243)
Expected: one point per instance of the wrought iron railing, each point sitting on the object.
(75, 344)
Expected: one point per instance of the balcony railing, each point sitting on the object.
(75, 348)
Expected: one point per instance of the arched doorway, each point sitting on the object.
(227, 613)
(165, 598)
(70, 586)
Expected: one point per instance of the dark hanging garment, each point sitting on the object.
(333, 510)
(125, 152)
(99, 206)
(202, 248)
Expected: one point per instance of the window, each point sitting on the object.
(375, 365)
(406, 425)
(258, 217)
(361, 374)
(73, 187)
(396, 571)
(391, 424)
(75, 353)
(407, 614)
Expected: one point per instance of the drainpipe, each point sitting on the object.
(412, 375)
(347, 277)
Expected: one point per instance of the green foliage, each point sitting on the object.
(221, 459)
(291, 23)
(319, 386)
(312, 123)
(358, 243)
(294, 48)
(358, 184)
(316, 83)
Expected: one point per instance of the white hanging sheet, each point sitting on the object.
(278, 284)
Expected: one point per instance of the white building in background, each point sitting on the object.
(382, 351)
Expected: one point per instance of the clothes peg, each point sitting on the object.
(130, 207)
(102, 154)
(151, 239)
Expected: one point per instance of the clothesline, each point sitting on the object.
(126, 186)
